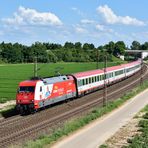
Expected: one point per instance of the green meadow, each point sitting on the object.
(12, 74)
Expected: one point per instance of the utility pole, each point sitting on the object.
(97, 59)
(105, 85)
(35, 66)
(141, 79)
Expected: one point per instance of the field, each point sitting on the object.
(12, 74)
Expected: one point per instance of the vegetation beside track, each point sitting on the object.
(12, 74)
(75, 124)
(141, 141)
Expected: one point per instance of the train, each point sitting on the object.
(35, 94)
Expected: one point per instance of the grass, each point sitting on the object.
(75, 124)
(141, 141)
(12, 74)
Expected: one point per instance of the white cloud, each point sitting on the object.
(86, 21)
(111, 18)
(100, 27)
(103, 28)
(32, 17)
(80, 30)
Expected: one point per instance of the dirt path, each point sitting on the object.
(7, 104)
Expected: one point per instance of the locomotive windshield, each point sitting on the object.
(26, 89)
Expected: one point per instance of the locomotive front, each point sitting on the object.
(25, 96)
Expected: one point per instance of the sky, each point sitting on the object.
(91, 21)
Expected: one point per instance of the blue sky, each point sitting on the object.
(92, 21)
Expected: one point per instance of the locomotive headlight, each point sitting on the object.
(19, 101)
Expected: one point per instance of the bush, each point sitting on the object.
(141, 141)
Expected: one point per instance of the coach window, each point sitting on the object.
(102, 77)
(116, 73)
(92, 79)
(86, 81)
(109, 75)
(78, 83)
(98, 78)
(89, 80)
(83, 82)
(95, 78)
(105, 76)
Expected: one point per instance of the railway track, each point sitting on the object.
(18, 128)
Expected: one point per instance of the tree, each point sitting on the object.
(119, 48)
(135, 45)
(110, 47)
(40, 51)
(52, 46)
(144, 46)
(100, 48)
(69, 45)
(88, 46)
(78, 45)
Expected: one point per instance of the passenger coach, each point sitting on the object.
(92, 80)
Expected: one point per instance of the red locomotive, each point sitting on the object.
(35, 94)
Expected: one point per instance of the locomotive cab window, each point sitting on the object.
(26, 89)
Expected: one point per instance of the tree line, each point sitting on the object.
(69, 52)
